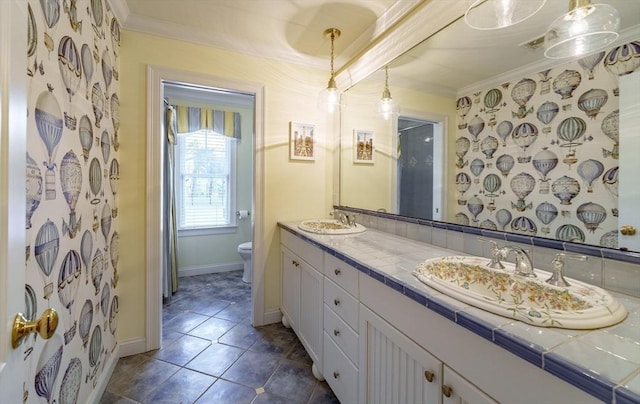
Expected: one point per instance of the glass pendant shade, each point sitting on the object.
(495, 14)
(387, 107)
(330, 97)
(584, 29)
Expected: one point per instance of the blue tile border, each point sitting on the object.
(619, 255)
(532, 353)
(581, 378)
(625, 396)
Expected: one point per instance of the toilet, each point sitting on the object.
(244, 250)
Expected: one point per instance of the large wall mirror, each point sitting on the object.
(492, 134)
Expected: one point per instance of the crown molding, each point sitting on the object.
(627, 35)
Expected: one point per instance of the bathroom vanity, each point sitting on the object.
(378, 335)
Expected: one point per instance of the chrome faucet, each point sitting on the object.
(523, 266)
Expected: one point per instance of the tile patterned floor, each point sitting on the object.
(212, 355)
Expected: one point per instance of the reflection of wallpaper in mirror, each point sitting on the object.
(539, 155)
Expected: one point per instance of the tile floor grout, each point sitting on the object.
(212, 354)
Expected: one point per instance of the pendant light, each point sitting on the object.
(495, 14)
(330, 97)
(387, 107)
(585, 28)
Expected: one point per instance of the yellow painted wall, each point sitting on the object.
(369, 186)
(293, 190)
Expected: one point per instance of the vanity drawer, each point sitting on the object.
(302, 249)
(339, 372)
(341, 302)
(341, 334)
(343, 274)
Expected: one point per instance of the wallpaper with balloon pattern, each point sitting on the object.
(539, 156)
(72, 187)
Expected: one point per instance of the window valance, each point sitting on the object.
(191, 119)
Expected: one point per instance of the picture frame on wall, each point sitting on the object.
(301, 141)
(364, 147)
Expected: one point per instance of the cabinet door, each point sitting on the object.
(458, 390)
(290, 305)
(394, 369)
(311, 308)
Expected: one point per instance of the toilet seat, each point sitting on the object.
(245, 246)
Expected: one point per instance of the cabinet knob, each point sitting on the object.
(447, 391)
(337, 272)
(429, 375)
(336, 332)
(336, 374)
(295, 263)
(336, 302)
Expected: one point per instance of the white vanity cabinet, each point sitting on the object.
(394, 369)
(341, 328)
(456, 390)
(302, 295)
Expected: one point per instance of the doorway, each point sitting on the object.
(157, 77)
(419, 168)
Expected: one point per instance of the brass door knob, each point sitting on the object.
(45, 326)
(447, 391)
(628, 230)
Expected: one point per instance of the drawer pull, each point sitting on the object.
(337, 272)
(447, 391)
(295, 263)
(428, 375)
(336, 302)
(336, 332)
(336, 374)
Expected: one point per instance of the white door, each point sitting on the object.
(629, 136)
(13, 107)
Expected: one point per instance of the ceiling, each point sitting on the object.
(293, 31)
(459, 57)
(288, 30)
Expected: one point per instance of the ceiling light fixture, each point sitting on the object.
(495, 14)
(330, 96)
(387, 107)
(585, 28)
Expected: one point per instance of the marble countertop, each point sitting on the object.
(603, 362)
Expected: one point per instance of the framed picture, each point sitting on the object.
(301, 141)
(363, 146)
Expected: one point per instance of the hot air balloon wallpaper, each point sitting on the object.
(565, 188)
(475, 206)
(524, 135)
(503, 130)
(566, 83)
(34, 188)
(70, 65)
(71, 182)
(571, 131)
(521, 93)
(51, 14)
(610, 127)
(623, 60)
(463, 105)
(70, 72)
(589, 63)
(505, 163)
(46, 252)
(463, 182)
(462, 147)
(503, 216)
(545, 114)
(589, 170)
(476, 167)
(475, 127)
(522, 185)
(546, 212)
(591, 214)
(591, 101)
(95, 352)
(544, 161)
(48, 119)
(48, 367)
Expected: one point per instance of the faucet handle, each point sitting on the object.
(495, 253)
(557, 278)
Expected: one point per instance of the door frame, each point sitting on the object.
(13, 151)
(156, 75)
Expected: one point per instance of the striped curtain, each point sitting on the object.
(190, 119)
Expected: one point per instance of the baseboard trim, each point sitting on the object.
(273, 316)
(103, 380)
(132, 347)
(209, 269)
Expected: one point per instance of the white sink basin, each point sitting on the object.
(330, 226)
(533, 301)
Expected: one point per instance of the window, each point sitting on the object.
(205, 180)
